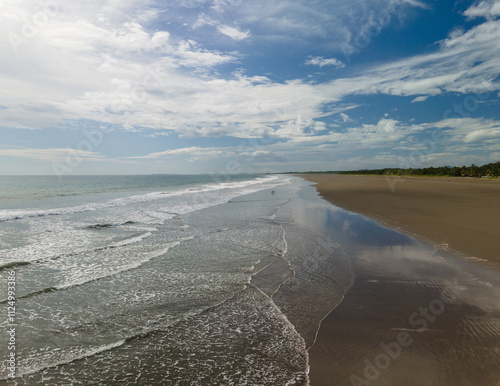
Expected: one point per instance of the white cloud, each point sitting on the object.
(467, 62)
(488, 9)
(322, 62)
(392, 142)
(189, 54)
(417, 3)
(332, 24)
(482, 135)
(470, 130)
(157, 134)
(175, 152)
(345, 117)
(204, 20)
(233, 33)
(110, 68)
(460, 136)
(420, 99)
(385, 132)
(301, 126)
(193, 153)
(52, 154)
(108, 63)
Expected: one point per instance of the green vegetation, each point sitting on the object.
(489, 170)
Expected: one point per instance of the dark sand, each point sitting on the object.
(461, 213)
(412, 318)
(390, 333)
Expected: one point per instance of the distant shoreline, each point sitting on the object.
(491, 170)
(394, 175)
(388, 175)
(456, 213)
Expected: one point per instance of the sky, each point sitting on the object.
(244, 86)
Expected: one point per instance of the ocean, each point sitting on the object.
(212, 280)
(160, 279)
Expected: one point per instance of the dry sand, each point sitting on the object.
(462, 214)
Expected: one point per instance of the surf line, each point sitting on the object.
(282, 256)
(292, 327)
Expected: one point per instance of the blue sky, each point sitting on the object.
(201, 86)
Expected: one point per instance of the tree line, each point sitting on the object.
(488, 170)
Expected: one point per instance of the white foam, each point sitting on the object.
(240, 187)
(81, 353)
(49, 238)
(66, 241)
(75, 277)
(131, 240)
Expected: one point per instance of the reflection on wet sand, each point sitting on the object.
(413, 316)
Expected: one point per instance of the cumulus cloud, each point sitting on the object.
(393, 142)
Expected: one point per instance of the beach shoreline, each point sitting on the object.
(414, 311)
(268, 284)
(459, 215)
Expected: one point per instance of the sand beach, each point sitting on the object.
(413, 317)
(460, 214)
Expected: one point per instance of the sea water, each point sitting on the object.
(163, 280)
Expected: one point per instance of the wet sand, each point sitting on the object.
(415, 314)
(461, 214)
(390, 332)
